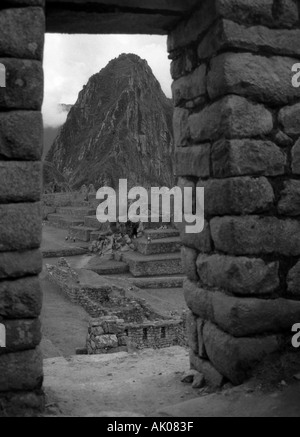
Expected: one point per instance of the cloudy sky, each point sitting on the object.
(70, 60)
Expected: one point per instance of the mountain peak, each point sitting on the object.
(120, 127)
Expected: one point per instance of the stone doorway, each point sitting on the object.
(236, 126)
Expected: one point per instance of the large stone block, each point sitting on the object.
(190, 87)
(253, 235)
(286, 12)
(21, 298)
(213, 378)
(18, 264)
(192, 331)
(24, 84)
(289, 202)
(18, 37)
(21, 371)
(289, 117)
(180, 126)
(190, 29)
(25, 2)
(230, 117)
(193, 161)
(247, 157)
(229, 35)
(20, 226)
(240, 195)
(21, 135)
(238, 275)
(200, 241)
(296, 157)
(201, 347)
(283, 13)
(235, 358)
(189, 257)
(21, 335)
(106, 341)
(178, 67)
(20, 181)
(293, 281)
(281, 139)
(265, 79)
(241, 316)
(247, 11)
(22, 404)
(183, 63)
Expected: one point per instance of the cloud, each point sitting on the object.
(70, 60)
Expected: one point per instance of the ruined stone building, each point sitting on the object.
(237, 129)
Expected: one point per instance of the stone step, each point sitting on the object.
(164, 245)
(63, 222)
(153, 265)
(96, 234)
(159, 282)
(105, 267)
(64, 252)
(76, 212)
(91, 222)
(157, 234)
(154, 226)
(81, 233)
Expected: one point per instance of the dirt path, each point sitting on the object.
(142, 383)
(64, 324)
(139, 383)
(90, 385)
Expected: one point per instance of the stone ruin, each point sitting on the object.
(237, 129)
(111, 335)
(120, 319)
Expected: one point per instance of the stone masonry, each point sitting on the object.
(237, 132)
(237, 135)
(109, 334)
(22, 26)
(120, 320)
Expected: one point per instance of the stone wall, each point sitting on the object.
(101, 295)
(21, 50)
(237, 129)
(237, 132)
(52, 201)
(116, 316)
(112, 335)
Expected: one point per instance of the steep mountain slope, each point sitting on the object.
(120, 127)
(50, 134)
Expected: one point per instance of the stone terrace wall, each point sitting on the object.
(51, 202)
(21, 51)
(109, 297)
(237, 129)
(112, 335)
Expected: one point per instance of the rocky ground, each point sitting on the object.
(140, 382)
